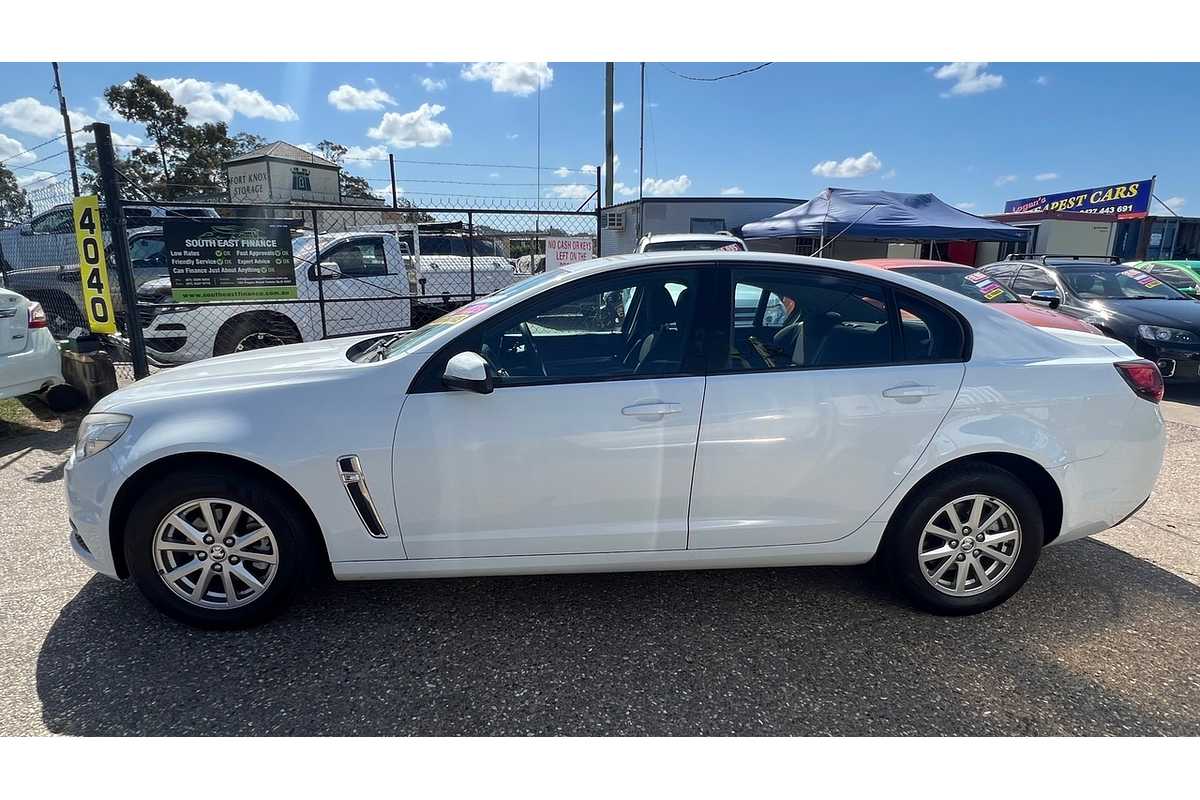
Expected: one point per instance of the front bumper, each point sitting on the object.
(90, 486)
(1177, 364)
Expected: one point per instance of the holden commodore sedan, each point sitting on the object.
(687, 410)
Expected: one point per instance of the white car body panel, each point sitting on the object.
(1054, 399)
(29, 357)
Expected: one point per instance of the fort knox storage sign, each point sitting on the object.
(229, 259)
(1129, 200)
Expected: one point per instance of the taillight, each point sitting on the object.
(1143, 377)
(37, 316)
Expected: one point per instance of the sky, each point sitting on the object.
(974, 134)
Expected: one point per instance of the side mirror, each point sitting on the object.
(468, 372)
(1050, 297)
(327, 270)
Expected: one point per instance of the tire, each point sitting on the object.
(253, 332)
(155, 548)
(62, 397)
(910, 554)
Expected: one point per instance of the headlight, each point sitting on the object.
(98, 431)
(1157, 333)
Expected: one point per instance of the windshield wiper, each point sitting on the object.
(376, 351)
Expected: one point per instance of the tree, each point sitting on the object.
(14, 204)
(246, 142)
(348, 185)
(142, 100)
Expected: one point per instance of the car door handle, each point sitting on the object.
(910, 392)
(650, 409)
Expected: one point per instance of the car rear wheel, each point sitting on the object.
(216, 550)
(254, 332)
(968, 543)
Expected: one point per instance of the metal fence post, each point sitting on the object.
(105, 161)
(392, 171)
(317, 271)
(471, 249)
(599, 218)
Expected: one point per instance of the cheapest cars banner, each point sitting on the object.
(1129, 200)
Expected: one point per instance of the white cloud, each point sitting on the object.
(105, 112)
(1172, 203)
(1042, 80)
(969, 77)
(665, 187)
(562, 172)
(29, 115)
(433, 84)
(513, 77)
(219, 102)
(493, 174)
(9, 147)
(511, 136)
(849, 167)
(38, 176)
(375, 152)
(623, 190)
(119, 139)
(731, 190)
(966, 206)
(417, 128)
(576, 191)
(350, 98)
(1005, 179)
(1046, 176)
(891, 173)
(617, 106)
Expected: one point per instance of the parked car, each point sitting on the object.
(1157, 321)
(970, 282)
(58, 287)
(669, 242)
(522, 434)
(48, 240)
(1183, 275)
(29, 358)
(364, 280)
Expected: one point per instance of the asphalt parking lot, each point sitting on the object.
(1105, 639)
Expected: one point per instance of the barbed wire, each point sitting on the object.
(718, 77)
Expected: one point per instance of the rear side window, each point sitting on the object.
(1033, 279)
(928, 332)
(790, 319)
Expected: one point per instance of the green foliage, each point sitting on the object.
(13, 203)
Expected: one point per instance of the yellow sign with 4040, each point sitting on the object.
(97, 299)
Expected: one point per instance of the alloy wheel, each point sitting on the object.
(215, 553)
(257, 341)
(969, 545)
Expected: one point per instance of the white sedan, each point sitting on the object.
(29, 357)
(663, 411)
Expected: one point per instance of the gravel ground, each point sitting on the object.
(1105, 639)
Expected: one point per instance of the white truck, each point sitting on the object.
(366, 281)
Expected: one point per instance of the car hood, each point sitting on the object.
(255, 370)
(1172, 313)
(1044, 317)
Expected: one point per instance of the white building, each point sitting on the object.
(620, 223)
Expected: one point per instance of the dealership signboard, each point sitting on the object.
(563, 250)
(1128, 200)
(229, 259)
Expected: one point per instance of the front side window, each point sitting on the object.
(1033, 279)
(790, 319)
(358, 259)
(57, 221)
(1174, 276)
(638, 325)
(146, 251)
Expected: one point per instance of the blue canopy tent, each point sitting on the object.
(890, 216)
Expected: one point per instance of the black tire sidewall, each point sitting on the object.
(901, 545)
(239, 328)
(290, 530)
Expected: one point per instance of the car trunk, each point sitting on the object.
(14, 322)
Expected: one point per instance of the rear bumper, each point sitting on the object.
(1104, 491)
(37, 367)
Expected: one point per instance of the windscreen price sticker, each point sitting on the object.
(89, 238)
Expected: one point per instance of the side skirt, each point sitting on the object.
(858, 548)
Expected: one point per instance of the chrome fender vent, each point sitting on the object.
(360, 496)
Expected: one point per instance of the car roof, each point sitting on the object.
(688, 237)
(901, 263)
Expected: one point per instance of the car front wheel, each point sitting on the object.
(968, 543)
(219, 550)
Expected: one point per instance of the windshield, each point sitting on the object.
(410, 342)
(965, 281)
(694, 244)
(1115, 282)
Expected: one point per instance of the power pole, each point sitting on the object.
(642, 151)
(62, 107)
(608, 132)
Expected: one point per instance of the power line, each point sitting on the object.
(30, 150)
(718, 77)
(32, 164)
